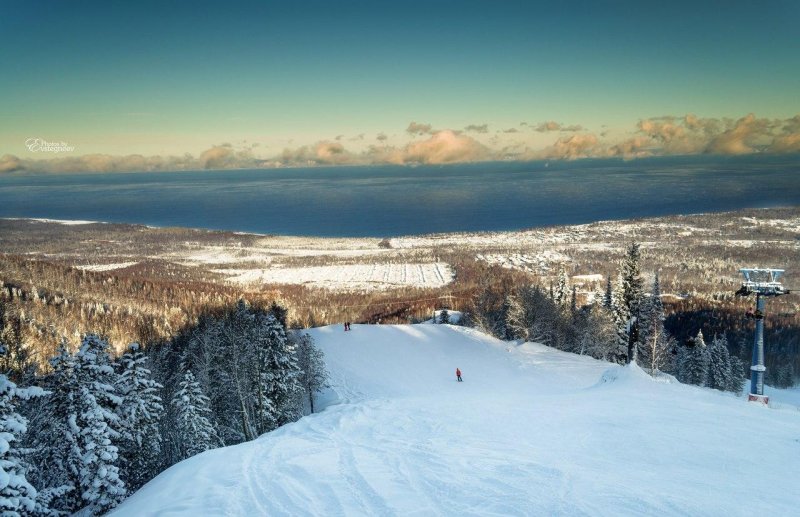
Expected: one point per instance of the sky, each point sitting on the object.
(256, 83)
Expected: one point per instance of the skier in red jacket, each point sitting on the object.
(458, 375)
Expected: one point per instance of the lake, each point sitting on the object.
(387, 201)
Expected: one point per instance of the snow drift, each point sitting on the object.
(530, 431)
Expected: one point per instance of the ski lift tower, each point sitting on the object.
(762, 283)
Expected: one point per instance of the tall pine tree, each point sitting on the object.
(719, 368)
(53, 441)
(97, 424)
(17, 495)
(694, 362)
(279, 376)
(195, 430)
(140, 412)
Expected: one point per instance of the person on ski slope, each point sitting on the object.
(458, 375)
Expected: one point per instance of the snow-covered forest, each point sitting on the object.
(91, 428)
(622, 322)
(91, 423)
(135, 283)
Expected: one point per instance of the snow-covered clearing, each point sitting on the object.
(534, 263)
(349, 276)
(531, 431)
(587, 279)
(106, 267)
(281, 247)
(65, 222)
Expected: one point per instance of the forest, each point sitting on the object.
(134, 283)
(96, 420)
(91, 427)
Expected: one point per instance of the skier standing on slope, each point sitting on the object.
(458, 375)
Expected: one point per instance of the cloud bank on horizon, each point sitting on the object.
(657, 136)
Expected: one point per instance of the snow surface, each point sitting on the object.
(530, 431)
(65, 222)
(349, 276)
(107, 267)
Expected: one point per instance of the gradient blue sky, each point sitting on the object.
(175, 77)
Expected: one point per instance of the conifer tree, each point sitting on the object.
(17, 495)
(280, 312)
(16, 362)
(53, 439)
(630, 273)
(140, 412)
(694, 362)
(654, 342)
(444, 317)
(737, 378)
(608, 298)
(621, 316)
(280, 376)
(562, 287)
(97, 425)
(195, 430)
(719, 369)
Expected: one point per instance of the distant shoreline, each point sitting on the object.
(432, 235)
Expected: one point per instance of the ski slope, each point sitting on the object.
(531, 431)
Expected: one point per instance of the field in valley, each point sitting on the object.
(136, 282)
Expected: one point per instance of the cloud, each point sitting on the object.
(10, 163)
(218, 157)
(550, 125)
(321, 153)
(656, 136)
(690, 134)
(740, 139)
(445, 146)
(636, 147)
(419, 129)
(789, 143)
(572, 147)
(477, 128)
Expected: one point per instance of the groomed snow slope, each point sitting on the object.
(531, 431)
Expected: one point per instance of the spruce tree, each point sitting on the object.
(97, 424)
(280, 312)
(53, 438)
(736, 378)
(694, 362)
(621, 316)
(608, 298)
(632, 286)
(140, 412)
(444, 317)
(719, 370)
(279, 374)
(562, 287)
(195, 430)
(17, 495)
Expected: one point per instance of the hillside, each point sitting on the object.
(530, 431)
(137, 283)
